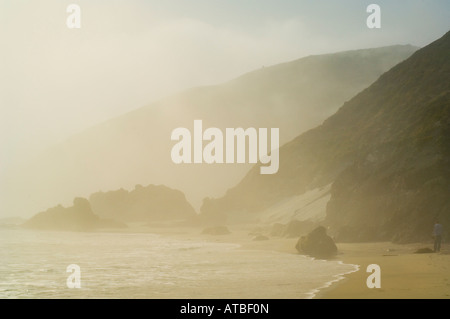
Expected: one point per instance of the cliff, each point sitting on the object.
(386, 153)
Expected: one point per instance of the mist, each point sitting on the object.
(224, 149)
(57, 82)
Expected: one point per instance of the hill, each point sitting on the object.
(135, 148)
(386, 153)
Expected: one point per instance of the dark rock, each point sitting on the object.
(216, 230)
(317, 244)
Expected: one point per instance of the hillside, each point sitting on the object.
(135, 148)
(386, 153)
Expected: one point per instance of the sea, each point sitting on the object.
(110, 265)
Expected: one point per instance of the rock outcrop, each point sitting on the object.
(78, 217)
(143, 204)
(317, 244)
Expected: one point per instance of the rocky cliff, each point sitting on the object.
(386, 153)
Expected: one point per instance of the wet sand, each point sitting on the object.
(404, 274)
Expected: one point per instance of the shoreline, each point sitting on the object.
(329, 285)
(404, 274)
(240, 236)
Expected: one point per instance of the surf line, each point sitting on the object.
(235, 146)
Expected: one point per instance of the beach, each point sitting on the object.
(183, 262)
(404, 273)
(162, 263)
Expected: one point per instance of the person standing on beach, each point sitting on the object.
(437, 233)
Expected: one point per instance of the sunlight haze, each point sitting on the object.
(56, 82)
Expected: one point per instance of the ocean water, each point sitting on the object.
(33, 264)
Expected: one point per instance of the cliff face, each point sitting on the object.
(150, 203)
(386, 153)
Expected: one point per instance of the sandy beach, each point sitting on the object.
(404, 274)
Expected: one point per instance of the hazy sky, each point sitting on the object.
(56, 81)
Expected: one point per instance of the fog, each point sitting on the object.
(56, 82)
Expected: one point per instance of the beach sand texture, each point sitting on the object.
(404, 273)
